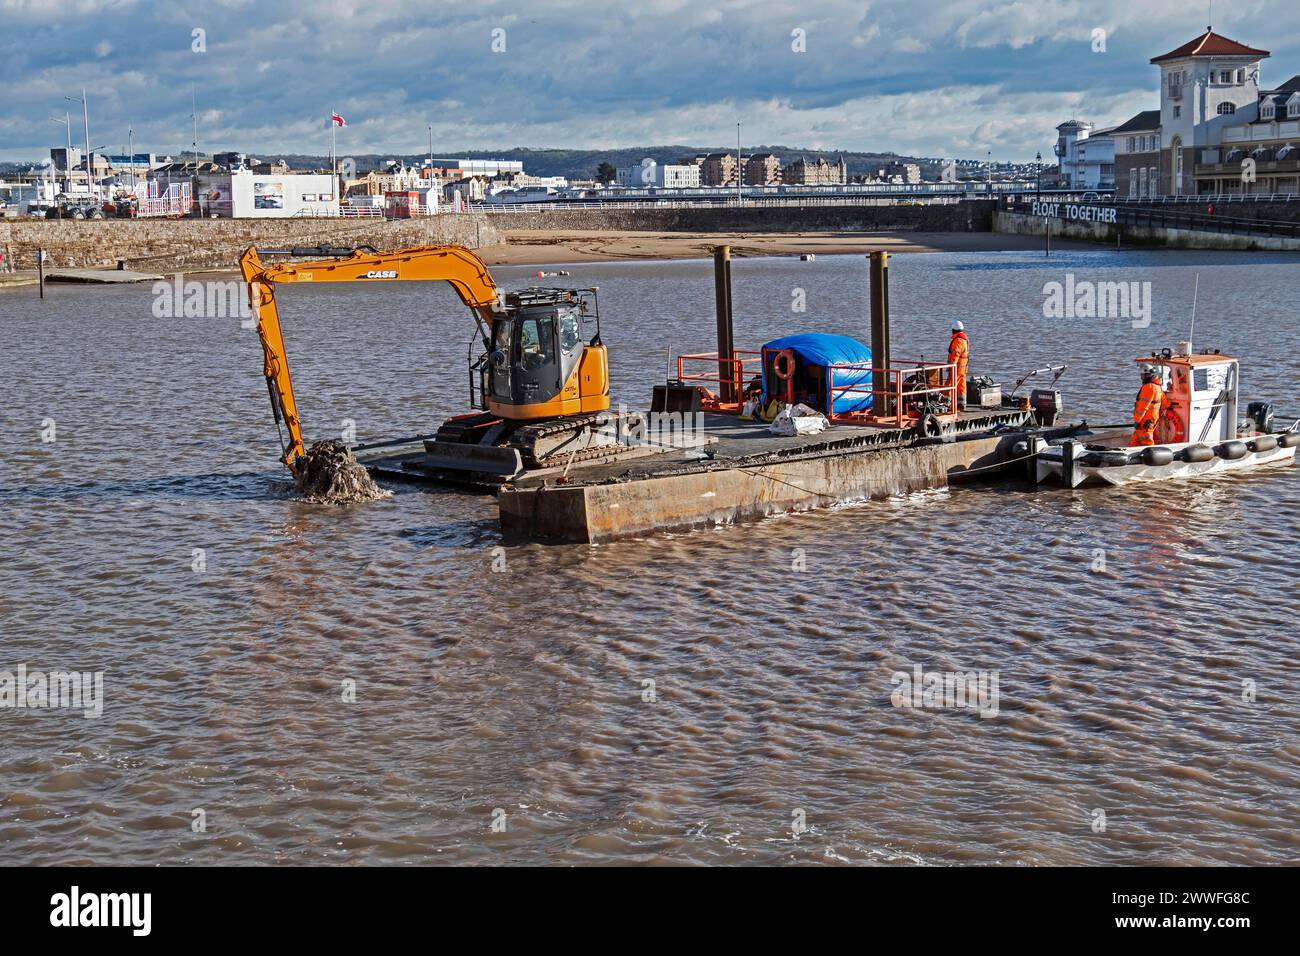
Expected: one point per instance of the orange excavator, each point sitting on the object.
(541, 390)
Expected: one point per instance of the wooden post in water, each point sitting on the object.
(726, 339)
(40, 270)
(1047, 236)
(880, 385)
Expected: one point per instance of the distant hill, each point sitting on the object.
(582, 163)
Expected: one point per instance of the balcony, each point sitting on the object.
(1277, 166)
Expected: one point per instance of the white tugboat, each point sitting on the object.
(1199, 432)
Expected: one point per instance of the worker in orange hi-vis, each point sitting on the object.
(1152, 402)
(959, 355)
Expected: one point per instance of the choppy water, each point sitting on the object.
(522, 690)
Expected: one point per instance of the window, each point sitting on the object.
(1293, 109)
(1225, 76)
(1241, 76)
(569, 335)
(536, 342)
(1178, 111)
(1133, 183)
(1132, 144)
(1267, 112)
(1227, 109)
(500, 360)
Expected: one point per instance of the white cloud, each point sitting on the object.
(929, 77)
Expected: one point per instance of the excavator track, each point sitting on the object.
(486, 443)
(579, 438)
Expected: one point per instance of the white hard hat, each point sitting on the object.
(958, 327)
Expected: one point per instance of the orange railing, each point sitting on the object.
(719, 376)
(900, 402)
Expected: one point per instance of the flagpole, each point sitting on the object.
(333, 145)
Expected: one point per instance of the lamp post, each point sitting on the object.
(739, 196)
(1038, 175)
(67, 157)
(85, 119)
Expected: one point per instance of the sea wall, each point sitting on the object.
(966, 216)
(1022, 224)
(166, 245)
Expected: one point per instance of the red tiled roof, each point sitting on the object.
(1211, 44)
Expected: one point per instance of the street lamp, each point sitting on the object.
(739, 167)
(67, 157)
(85, 119)
(1038, 174)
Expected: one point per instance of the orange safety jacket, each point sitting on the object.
(959, 354)
(1151, 401)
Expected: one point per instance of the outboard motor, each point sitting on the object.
(1046, 403)
(1260, 415)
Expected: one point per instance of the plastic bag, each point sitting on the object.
(798, 420)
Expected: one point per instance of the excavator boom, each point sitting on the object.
(456, 265)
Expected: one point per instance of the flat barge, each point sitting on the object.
(743, 473)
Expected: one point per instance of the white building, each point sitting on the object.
(1087, 156)
(246, 195)
(489, 168)
(651, 174)
(1203, 84)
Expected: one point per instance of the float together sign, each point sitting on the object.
(1075, 212)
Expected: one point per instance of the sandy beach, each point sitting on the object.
(524, 247)
(558, 246)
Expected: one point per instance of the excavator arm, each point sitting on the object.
(456, 265)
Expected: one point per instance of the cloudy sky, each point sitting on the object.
(923, 77)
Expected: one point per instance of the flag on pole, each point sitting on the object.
(338, 120)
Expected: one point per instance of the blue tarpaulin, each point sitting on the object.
(818, 348)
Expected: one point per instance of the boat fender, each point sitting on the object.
(1263, 443)
(929, 427)
(1289, 440)
(1232, 450)
(1107, 459)
(1157, 456)
(1197, 453)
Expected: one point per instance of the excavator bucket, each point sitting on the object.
(497, 460)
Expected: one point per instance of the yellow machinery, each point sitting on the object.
(539, 386)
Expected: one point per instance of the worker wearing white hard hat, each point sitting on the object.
(959, 355)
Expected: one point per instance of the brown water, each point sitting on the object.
(522, 690)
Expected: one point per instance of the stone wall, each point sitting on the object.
(966, 216)
(167, 245)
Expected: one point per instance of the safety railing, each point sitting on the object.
(909, 393)
(720, 377)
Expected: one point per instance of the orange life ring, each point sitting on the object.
(780, 370)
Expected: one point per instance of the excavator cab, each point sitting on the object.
(537, 364)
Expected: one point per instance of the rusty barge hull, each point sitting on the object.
(743, 474)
